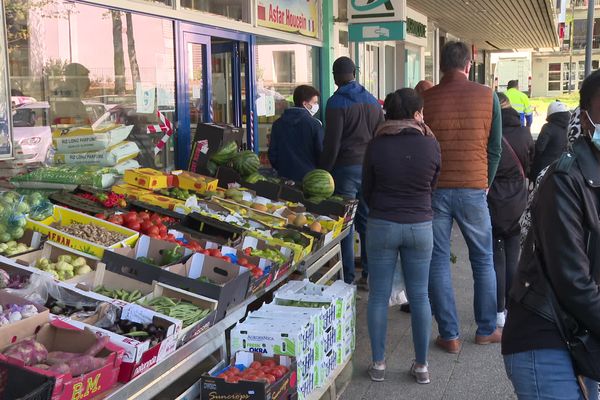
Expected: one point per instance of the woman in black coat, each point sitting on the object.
(507, 199)
(552, 141)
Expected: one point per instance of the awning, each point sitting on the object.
(495, 24)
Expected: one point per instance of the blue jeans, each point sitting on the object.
(348, 180)
(546, 374)
(469, 208)
(413, 243)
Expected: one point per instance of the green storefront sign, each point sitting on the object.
(377, 31)
(416, 28)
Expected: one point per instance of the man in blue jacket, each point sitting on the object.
(297, 137)
(352, 116)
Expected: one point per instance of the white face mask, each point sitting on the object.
(313, 109)
(596, 135)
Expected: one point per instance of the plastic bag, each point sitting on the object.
(36, 290)
(398, 295)
(71, 175)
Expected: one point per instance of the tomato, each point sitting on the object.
(266, 369)
(234, 370)
(242, 261)
(214, 252)
(154, 236)
(255, 365)
(250, 377)
(162, 229)
(153, 231)
(116, 219)
(101, 216)
(282, 369)
(232, 379)
(226, 259)
(145, 215)
(270, 363)
(146, 225)
(270, 378)
(251, 266)
(277, 373)
(134, 225)
(155, 218)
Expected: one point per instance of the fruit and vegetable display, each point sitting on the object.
(92, 233)
(318, 185)
(34, 354)
(269, 254)
(65, 267)
(120, 294)
(13, 210)
(185, 311)
(140, 332)
(167, 257)
(10, 313)
(151, 224)
(12, 248)
(177, 193)
(267, 371)
(13, 280)
(107, 200)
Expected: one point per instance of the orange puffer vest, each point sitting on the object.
(459, 112)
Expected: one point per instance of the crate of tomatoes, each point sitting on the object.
(147, 223)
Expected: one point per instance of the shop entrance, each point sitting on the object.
(213, 83)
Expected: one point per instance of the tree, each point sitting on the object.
(133, 64)
(119, 56)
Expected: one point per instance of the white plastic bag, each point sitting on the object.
(398, 295)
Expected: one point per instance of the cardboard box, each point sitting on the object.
(20, 329)
(34, 240)
(63, 216)
(60, 336)
(271, 220)
(130, 191)
(299, 251)
(168, 203)
(110, 280)
(268, 268)
(20, 383)
(189, 332)
(213, 227)
(147, 178)
(259, 244)
(194, 182)
(214, 387)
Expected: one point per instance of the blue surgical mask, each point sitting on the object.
(596, 135)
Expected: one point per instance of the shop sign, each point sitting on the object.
(376, 31)
(416, 28)
(364, 11)
(296, 16)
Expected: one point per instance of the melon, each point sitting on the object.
(246, 163)
(319, 184)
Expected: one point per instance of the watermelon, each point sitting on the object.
(225, 154)
(255, 177)
(318, 183)
(246, 162)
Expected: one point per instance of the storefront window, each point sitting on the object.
(74, 65)
(234, 9)
(554, 76)
(369, 68)
(429, 54)
(280, 68)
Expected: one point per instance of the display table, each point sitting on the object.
(168, 371)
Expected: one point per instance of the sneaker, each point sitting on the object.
(500, 319)
(421, 374)
(377, 372)
(362, 284)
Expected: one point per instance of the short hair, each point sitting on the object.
(504, 100)
(402, 104)
(454, 55)
(304, 93)
(512, 84)
(589, 90)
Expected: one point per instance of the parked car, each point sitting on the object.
(31, 130)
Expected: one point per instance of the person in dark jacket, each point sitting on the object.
(401, 167)
(297, 137)
(552, 141)
(560, 258)
(350, 120)
(507, 199)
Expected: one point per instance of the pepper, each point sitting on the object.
(171, 256)
(147, 260)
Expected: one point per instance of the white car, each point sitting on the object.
(31, 130)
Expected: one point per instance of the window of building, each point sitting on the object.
(554, 77)
(429, 54)
(234, 9)
(284, 65)
(368, 68)
(75, 65)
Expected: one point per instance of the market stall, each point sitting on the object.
(170, 268)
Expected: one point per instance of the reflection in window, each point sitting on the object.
(234, 9)
(79, 65)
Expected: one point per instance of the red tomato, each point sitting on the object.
(145, 215)
(232, 379)
(163, 229)
(116, 219)
(282, 369)
(260, 373)
(251, 267)
(222, 375)
(214, 252)
(134, 225)
(250, 377)
(131, 215)
(227, 259)
(234, 370)
(155, 218)
(277, 373)
(266, 369)
(146, 225)
(101, 216)
(270, 378)
(153, 231)
(154, 236)
(255, 365)
(271, 363)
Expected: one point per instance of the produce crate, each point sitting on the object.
(189, 332)
(78, 203)
(63, 216)
(192, 234)
(268, 267)
(228, 175)
(18, 330)
(167, 203)
(260, 244)
(138, 205)
(281, 389)
(34, 240)
(112, 281)
(148, 178)
(194, 182)
(299, 250)
(23, 384)
(271, 220)
(213, 227)
(130, 191)
(60, 336)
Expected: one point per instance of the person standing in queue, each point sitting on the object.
(401, 167)
(559, 268)
(351, 117)
(507, 200)
(297, 136)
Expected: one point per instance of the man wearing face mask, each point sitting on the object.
(297, 137)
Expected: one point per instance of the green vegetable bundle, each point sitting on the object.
(188, 313)
(119, 294)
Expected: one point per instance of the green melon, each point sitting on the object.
(225, 154)
(246, 163)
(255, 177)
(318, 184)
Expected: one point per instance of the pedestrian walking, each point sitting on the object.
(401, 167)
(552, 140)
(559, 271)
(297, 136)
(520, 102)
(507, 200)
(350, 120)
(467, 122)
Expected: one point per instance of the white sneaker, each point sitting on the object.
(500, 319)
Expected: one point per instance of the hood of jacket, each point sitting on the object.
(560, 118)
(295, 114)
(355, 93)
(510, 117)
(398, 127)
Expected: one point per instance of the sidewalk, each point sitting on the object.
(476, 373)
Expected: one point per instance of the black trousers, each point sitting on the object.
(506, 260)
